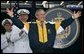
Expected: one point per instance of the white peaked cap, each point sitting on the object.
(3, 22)
(23, 11)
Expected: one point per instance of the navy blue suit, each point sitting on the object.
(33, 34)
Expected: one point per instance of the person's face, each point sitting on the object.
(41, 15)
(8, 26)
(23, 17)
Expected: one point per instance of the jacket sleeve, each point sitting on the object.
(4, 43)
(17, 22)
(66, 22)
(15, 34)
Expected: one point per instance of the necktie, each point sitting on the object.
(42, 24)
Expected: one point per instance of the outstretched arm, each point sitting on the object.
(15, 20)
(67, 22)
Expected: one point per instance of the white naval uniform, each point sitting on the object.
(57, 43)
(5, 46)
(21, 43)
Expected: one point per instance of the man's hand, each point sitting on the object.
(9, 12)
(76, 15)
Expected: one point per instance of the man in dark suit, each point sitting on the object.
(41, 33)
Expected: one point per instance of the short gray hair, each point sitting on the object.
(38, 11)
